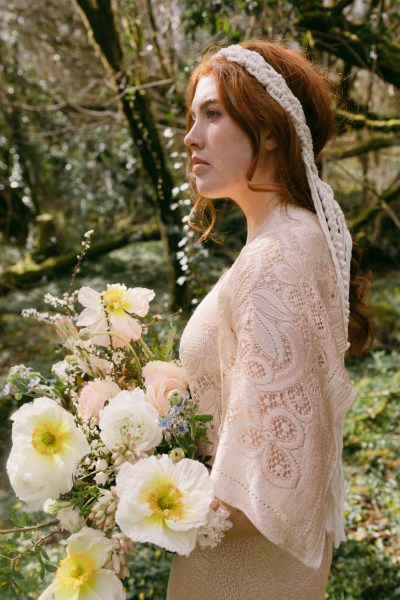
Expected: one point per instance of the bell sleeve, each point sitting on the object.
(284, 391)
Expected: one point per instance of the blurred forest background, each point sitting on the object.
(92, 120)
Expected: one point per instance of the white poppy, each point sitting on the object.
(47, 447)
(164, 503)
(81, 575)
(114, 306)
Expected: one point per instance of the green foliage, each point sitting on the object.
(362, 571)
(217, 17)
(149, 571)
(366, 566)
(384, 307)
(26, 563)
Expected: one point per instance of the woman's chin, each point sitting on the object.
(208, 191)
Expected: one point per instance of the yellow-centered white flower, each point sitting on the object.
(164, 503)
(112, 310)
(47, 447)
(81, 575)
(129, 412)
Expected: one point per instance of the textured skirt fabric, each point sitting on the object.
(251, 568)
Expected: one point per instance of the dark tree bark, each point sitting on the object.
(100, 21)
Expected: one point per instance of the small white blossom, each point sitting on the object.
(101, 464)
(211, 534)
(70, 518)
(101, 478)
(61, 369)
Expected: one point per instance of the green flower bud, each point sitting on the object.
(176, 455)
(175, 397)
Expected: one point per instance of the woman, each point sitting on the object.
(264, 350)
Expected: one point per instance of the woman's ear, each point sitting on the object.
(269, 142)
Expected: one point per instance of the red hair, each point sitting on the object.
(253, 110)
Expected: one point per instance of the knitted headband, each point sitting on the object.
(329, 213)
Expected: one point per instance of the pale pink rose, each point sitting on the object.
(160, 379)
(94, 395)
(157, 394)
(157, 371)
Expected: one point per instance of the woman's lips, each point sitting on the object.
(199, 165)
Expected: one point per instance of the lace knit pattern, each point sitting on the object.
(264, 355)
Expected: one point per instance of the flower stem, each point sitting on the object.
(146, 349)
(112, 333)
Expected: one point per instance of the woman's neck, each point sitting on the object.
(257, 209)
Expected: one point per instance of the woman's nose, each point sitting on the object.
(191, 139)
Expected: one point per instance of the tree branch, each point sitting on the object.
(382, 202)
(29, 527)
(155, 34)
(358, 148)
(90, 109)
(362, 121)
(389, 211)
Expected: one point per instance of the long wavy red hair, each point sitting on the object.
(250, 107)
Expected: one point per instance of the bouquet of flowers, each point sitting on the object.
(110, 444)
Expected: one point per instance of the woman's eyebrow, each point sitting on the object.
(205, 103)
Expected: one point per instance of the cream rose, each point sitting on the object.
(94, 395)
(160, 379)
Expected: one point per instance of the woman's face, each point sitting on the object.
(220, 150)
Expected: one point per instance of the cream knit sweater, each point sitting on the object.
(264, 354)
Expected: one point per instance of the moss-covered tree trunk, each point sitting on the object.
(27, 271)
(101, 23)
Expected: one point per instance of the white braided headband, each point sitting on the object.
(329, 213)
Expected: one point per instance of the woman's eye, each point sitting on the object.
(212, 114)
